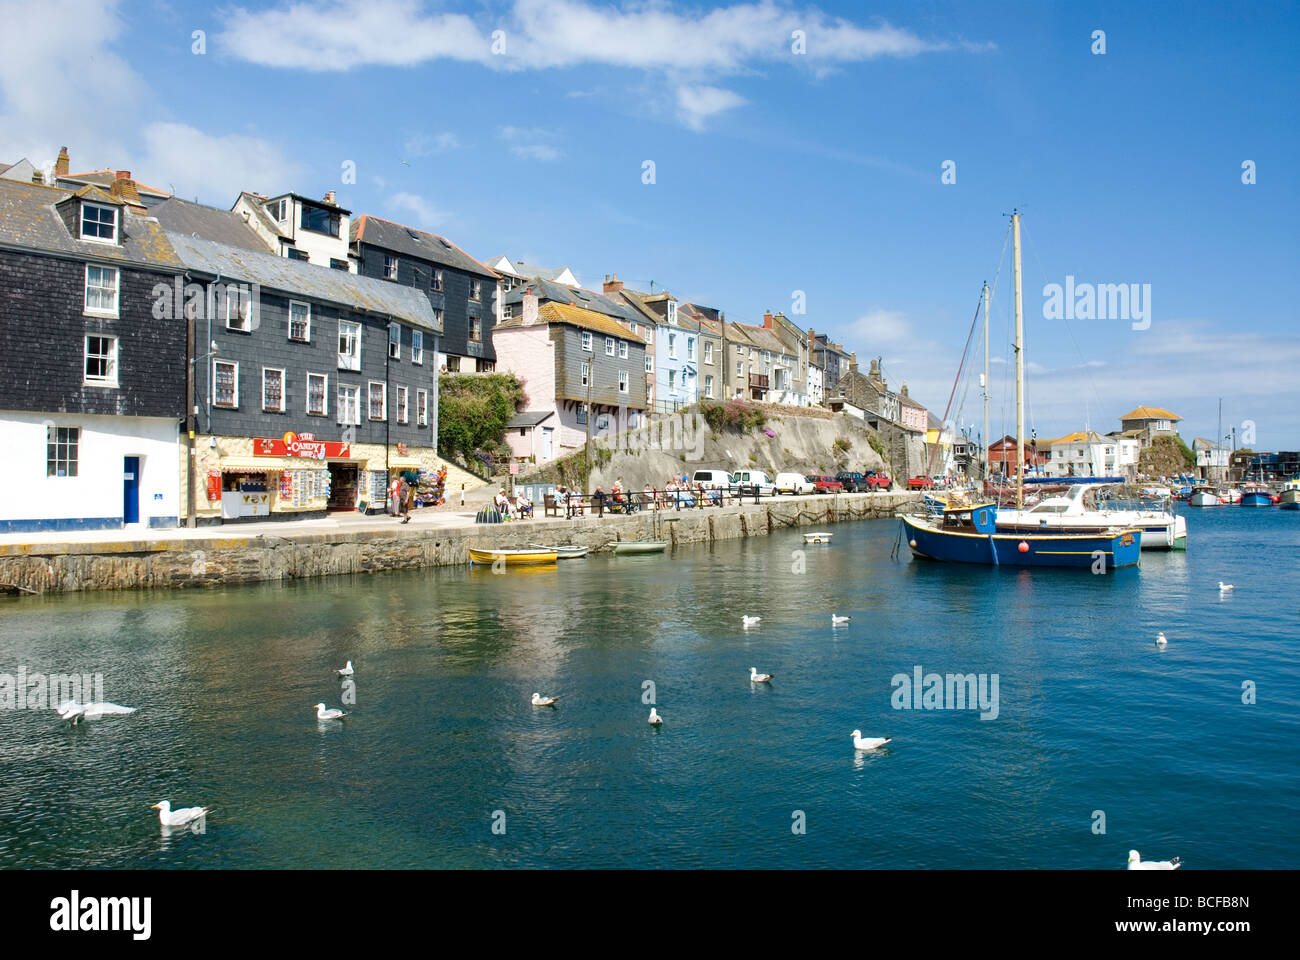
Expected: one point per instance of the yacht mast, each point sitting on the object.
(1020, 371)
(985, 383)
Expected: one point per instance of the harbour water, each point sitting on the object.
(1091, 715)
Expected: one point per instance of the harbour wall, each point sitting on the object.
(162, 562)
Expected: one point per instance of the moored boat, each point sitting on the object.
(817, 538)
(569, 551)
(1289, 499)
(1256, 495)
(632, 547)
(1203, 497)
(1072, 513)
(513, 558)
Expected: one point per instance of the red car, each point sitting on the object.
(878, 481)
(920, 483)
(824, 484)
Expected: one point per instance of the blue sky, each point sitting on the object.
(774, 171)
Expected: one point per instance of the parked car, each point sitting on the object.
(824, 484)
(743, 481)
(711, 479)
(792, 483)
(920, 483)
(852, 481)
(878, 481)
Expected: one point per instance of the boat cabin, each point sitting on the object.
(976, 518)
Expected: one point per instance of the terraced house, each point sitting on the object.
(462, 292)
(91, 380)
(579, 366)
(672, 349)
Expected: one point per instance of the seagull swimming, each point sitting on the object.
(75, 712)
(756, 677)
(1160, 639)
(541, 701)
(346, 671)
(330, 714)
(836, 621)
(178, 818)
(1135, 862)
(1224, 587)
(869, 743)
(655, 719)
(748, 622)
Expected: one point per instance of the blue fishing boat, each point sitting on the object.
(1256, 495)
(969, 533)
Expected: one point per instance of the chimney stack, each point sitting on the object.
(61, 165)
(612, 284)
(529, 315)
(123, 188)
(329, 196)
(853, 362)
(767, 319)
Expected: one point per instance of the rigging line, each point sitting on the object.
(965, 350)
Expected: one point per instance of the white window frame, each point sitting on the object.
(672, 346)
(71, 449)
(476, 290)
(622, 381)
(394, 345)
(586, 372)
(672, 311)
(672, 379)
(81, 222)
(390, 267)
(586, 341)
(417, 346)
(283, 391)
(306, 337)
(609, 346)
(708, 385)
(421, 408)
(475, 323)
(383, 400)
(110, 378)
(117, 292)
(403, 405)
(708, 351)
(352, 390)
(622, 349)
(437, 317)
(241, 307)
(353, 359)
(435, 280)
(649, 363)
(690, 348)
(227, 363)
(325, 396)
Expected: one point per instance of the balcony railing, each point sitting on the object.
(758, 380)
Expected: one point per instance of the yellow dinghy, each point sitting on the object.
(512, 558)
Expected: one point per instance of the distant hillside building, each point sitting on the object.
(1149, 423)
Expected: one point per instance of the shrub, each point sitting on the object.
(734, 415)
(842, 445)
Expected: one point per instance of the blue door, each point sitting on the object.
(130, 489)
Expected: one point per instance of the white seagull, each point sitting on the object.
(1135, 862)
(75, 712)
(541, 701)
(748, 622)
(178, 818)
(346, 671)
(756, 677)
(837, 621)
(655, 719)
(1224, 587)
(330, 714)
(869, 743)
(1160, 639)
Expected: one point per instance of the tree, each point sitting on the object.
(473, 413)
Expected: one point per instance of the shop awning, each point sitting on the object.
(266, 464)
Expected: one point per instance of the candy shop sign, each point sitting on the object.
(300, 445)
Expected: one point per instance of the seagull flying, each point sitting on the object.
(655, 719)
(836, 620)
(869, 743)
(330, 714)
(346, 671)
(748, 622)
(1135, 862)
(1224, 587)
(1160, 639)
(178, 818)
(75, 712)
(541, 701)
(756, 677)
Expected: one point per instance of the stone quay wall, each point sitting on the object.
(183, 562)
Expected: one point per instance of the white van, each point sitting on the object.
(711, 479)
(792, 483)
(743, 481)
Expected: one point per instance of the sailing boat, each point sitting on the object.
(968, 533)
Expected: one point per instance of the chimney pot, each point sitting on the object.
(61, 164)
(123, 175)
(329, 196)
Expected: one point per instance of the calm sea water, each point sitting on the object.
(1092, 716)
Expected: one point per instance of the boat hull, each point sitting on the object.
(1112, 550)
(1256, 498)
(635, 547)
(1203, 500)
(512, 558)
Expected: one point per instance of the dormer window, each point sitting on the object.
(320, 220)
(98, 223)
(672, 311)
(276, 208)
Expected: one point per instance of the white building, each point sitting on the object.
(300, 228)
(1088, 454)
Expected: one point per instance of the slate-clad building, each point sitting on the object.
(312, 384)
(91, 382)
(461, 291)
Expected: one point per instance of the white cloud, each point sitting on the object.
(536, 151)
(530, 143)
(427, 215)
(351, 33)
(886, 327)
(697, 104)
(423, 145)
(214, 167)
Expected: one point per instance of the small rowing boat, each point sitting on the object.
(817, 538)
(630, 547)
(513, 558)
(567, 551)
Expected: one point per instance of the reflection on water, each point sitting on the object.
(442, 732)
